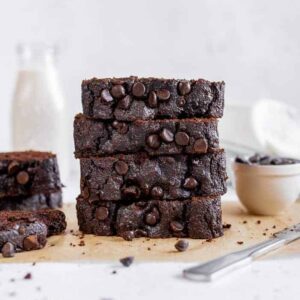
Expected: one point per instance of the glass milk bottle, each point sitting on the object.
(39, 108)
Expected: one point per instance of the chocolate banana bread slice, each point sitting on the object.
(198, 218)
(133, 98)
(28, 173)
(159, 137)
(138, 176)
(24, 231)
(34, 202)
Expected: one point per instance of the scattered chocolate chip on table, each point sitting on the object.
(182, 245)
(127, 261)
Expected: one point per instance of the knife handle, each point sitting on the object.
(225, 264)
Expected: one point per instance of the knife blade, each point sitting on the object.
(218, 267)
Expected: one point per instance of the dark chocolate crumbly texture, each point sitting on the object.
(28, 173)
(138, 176)
(159, 137)
(23, 230)
(198, 218)
(34, 202)
(133, 98)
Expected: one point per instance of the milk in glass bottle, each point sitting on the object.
(39, 108)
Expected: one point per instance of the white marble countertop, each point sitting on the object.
(264, 279)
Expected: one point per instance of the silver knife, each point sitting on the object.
(223, 265)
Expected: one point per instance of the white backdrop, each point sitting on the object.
(254, 45)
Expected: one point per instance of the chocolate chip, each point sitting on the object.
(118, 91)
(163, 94)
(81, 244)
(276, 161)
(121, 127)
(181, 102)
(28, 276)
(184, 87)
(241, 160)
(190, 183)
(182, 245)
(182, 138)
(22, 177)
(265, 161)
(289, 161)
(155, 212)
(153, 141)
(125, 102)
(22, 229)
(13, 168)
(132, 192)
(255, 158)
(152, 100)
(127, 261)
(121, 167)
(146, 189)
(176, 226)
(128, 235)
(85, 193)
(115, 124)
(228, 226)
(106, 96)
(240, 242)
(31, 243)
(167, 135)
(102, 213)
(140, 233)
(138, 89)
(151, 219)
(8, 250)
(200, 145)
(157, 192)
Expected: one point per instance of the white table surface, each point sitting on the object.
(264, 279)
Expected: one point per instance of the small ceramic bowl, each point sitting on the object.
(267, 190)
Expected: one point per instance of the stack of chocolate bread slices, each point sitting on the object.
(150, 159)
(30, 187)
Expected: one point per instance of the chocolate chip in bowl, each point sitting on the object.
(266, 160)
(267, 185)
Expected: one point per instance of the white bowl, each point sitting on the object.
(267, 190)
